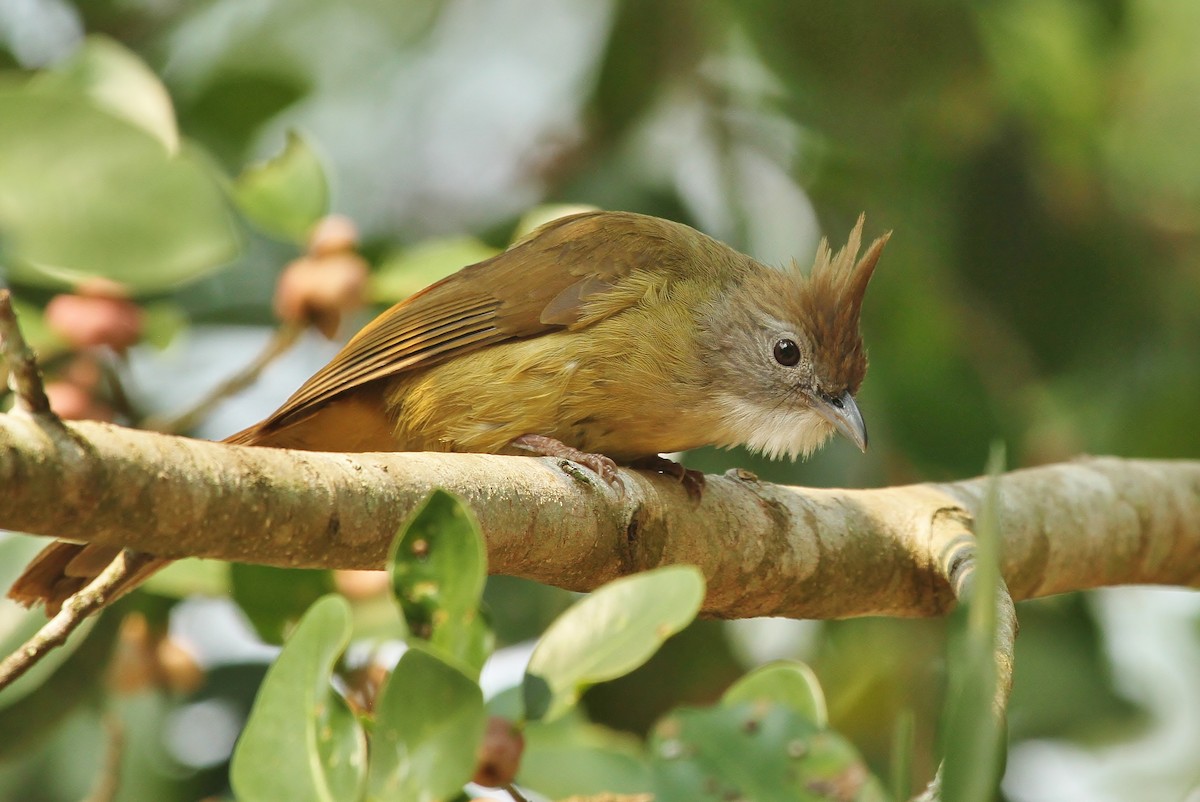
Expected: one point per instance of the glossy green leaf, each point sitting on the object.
(786, 682)
(286, 195)
(768, 753)
(438, 567)
(85, 193)
(413, 269)
(428, 724)
(301, 742)
(274, 599)
(119, 82)
(608, 634)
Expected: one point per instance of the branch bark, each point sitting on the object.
(765, 549)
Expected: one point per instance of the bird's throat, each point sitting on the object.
(775, 432)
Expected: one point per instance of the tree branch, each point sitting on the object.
(765, 549)
(75, 611)
(24, 375)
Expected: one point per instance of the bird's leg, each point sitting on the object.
(692, 481)
(544, 446)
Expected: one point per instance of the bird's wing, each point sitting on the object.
(542, 283)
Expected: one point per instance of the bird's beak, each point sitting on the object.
(843, 413)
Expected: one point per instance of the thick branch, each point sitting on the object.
(766, 549)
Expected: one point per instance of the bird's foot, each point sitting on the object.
(544, 446)
(692, 481)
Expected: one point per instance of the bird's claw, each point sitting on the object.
(602, 466)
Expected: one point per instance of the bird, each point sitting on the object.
(605, 337)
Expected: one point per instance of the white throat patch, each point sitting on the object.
(774, 433)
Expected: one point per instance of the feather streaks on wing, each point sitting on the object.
(543, 283)
(400, 343)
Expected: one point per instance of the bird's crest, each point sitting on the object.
(828, 299)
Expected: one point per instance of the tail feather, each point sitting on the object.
(352, 424)
(47, 578)
(62, 569)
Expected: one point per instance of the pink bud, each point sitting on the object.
(71, 402)
(91, 321)
(333, 234)
(319, 290)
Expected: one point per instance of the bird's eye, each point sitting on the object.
(787, 353)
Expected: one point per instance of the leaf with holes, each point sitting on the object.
(438, 567)
(286, 195)
(786, 682)
(750, 751)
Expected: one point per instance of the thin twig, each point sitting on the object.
(116, 388)
(25, 378)
(75, 610)
(514, 793)
(281, 341)
(109, 780)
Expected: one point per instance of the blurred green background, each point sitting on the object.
(1039, 162)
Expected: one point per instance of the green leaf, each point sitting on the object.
(611, 632)
(973, 734)
(275, 598)
(75, 681)
(901, 759)
(37, 703)
(84, 193)
(751, 751)
(786, 682)
(538, 216)
(428, 724)
(17, 624)
(44, 341)
(286, 195)
(119, 82)
(191, 577)
(439, 566)
(573, 757)
(301, 741)
(1064, 686)
(412, 270)
(161, 321)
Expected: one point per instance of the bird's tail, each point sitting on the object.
(63, 568)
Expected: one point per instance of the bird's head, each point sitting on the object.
(792, 354)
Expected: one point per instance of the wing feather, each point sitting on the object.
(540, 284)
